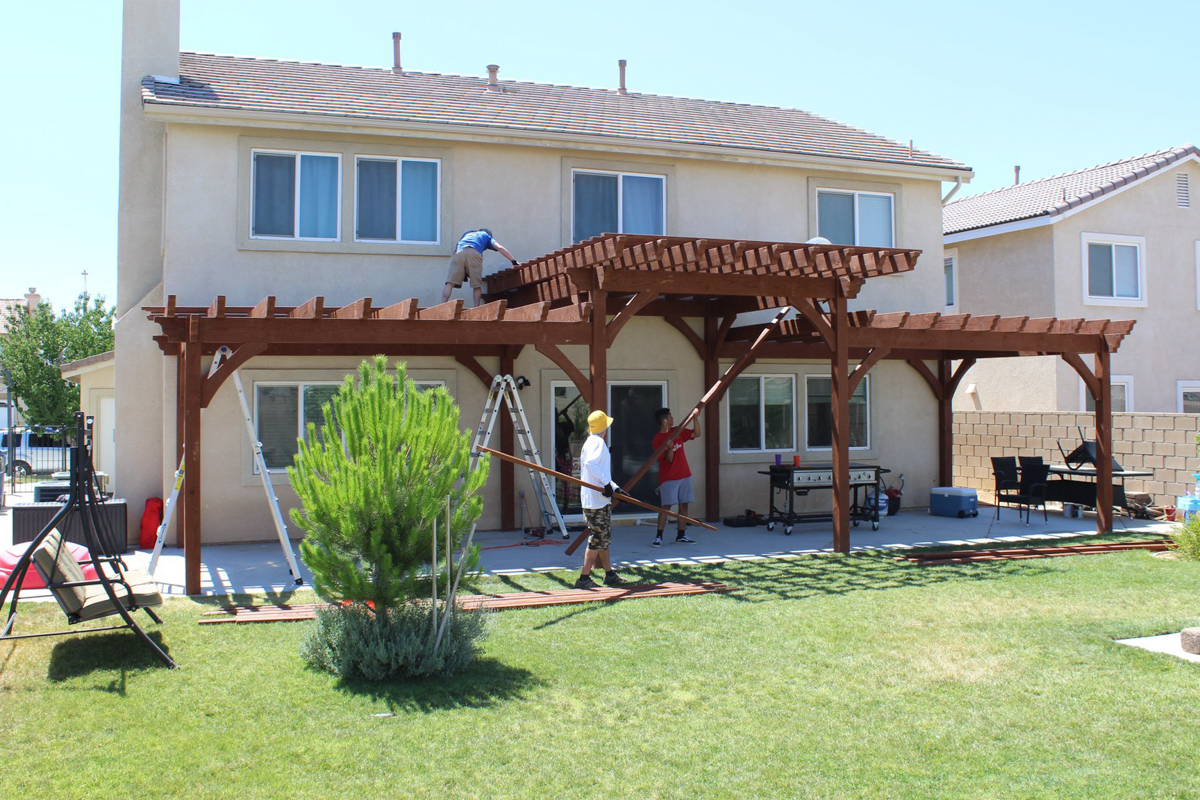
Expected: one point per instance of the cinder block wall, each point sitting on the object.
(1164, 443)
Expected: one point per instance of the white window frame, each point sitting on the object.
(620, 194)
(400, 199)
(762, 417)
(856, 193)
(296, 237)
(301, 422)
(1087, 239)
(952, 257)
(1180, 388)
(866, 384)
(1115, 380)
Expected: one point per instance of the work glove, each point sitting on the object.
(608, 491)
(619, 492)
(515, 262)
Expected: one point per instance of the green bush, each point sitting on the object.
(354, 642)
(1187, 538)
(371, 497)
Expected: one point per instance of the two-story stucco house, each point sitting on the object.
(1120, 239)
(244, 178)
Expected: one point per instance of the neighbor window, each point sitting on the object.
(282, 414)
(295, 195)
(1189, 397)
(948, 265)
(616, 202)
(1114, 269)
(819, 413)
(1122, 395)
(761, 413)
(856, 218)
(397, 199)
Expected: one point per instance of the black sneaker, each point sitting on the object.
(657, 542)
(613, 579)
(683, 538)
(585, 582)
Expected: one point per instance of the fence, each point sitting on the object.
(1162, 443)
(30, 451)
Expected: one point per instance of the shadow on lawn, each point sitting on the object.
(114, 650)
(485, 683)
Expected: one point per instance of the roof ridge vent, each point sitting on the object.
(493, 83)
(1183, 190)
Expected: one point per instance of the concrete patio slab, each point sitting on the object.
(1168, 643)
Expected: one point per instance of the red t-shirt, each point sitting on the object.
(676, 469)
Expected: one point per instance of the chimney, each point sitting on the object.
(493, 80)
(396, 53)
(32, 298)
(621, 65)
(1016, 175)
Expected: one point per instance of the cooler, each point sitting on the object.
(950, 501)
(1186, 506)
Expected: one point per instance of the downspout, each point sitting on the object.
(952, 192)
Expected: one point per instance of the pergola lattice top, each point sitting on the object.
(687, 266)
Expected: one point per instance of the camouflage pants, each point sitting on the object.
(599, 522)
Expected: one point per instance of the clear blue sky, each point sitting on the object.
(1053, 87)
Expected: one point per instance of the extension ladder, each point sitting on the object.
(259, 462)
(504, 390)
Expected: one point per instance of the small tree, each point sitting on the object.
(371, 482)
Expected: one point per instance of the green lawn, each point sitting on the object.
(826, 676)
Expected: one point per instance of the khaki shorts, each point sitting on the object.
(599, 522)
(469, 263)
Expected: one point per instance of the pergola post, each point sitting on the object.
(193, 388)
(598, 351)
(180, 439)
(1104, 456)
(712, 427)
(839, 366)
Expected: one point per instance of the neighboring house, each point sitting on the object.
(1117, 240)
(248, 177)
(95, 376)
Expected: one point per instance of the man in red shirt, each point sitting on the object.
(674, 475)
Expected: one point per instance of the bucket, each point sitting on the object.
(1070, 510)
(893, 506)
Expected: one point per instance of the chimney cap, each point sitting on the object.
(493, 83)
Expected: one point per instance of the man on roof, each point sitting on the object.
(468, 262)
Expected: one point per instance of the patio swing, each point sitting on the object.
(116, 590)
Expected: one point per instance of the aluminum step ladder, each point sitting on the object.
(260, 464)
(504, 390)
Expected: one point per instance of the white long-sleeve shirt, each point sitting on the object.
(595, 467)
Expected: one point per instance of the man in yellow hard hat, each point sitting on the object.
(596, 469)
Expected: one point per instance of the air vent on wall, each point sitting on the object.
(1183, 192)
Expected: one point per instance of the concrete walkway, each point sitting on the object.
(262, 569)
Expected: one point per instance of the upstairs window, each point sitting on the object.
(866, 219)
(617, 202)
(397, 200)
(1114, 269)
(296, 196)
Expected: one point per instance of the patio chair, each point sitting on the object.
(1008, 482)
(1032, 490)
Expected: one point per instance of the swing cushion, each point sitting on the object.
(57, 565)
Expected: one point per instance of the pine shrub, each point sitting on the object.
(373, 483)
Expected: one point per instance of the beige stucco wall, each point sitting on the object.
(1009, 273)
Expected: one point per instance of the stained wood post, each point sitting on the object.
(192, 395)
(1104, 476)
(180, 433)
(839, 373)
(507, 475)
(945, 403)
(599, 350)
(712, 428)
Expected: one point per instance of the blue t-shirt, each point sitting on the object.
(480, 240)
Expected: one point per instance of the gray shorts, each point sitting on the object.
(672, 493)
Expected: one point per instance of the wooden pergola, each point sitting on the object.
(587, 293)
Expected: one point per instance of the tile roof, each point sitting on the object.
(1054, 195)
(240, 84)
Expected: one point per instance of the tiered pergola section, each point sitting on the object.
(585, 295)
